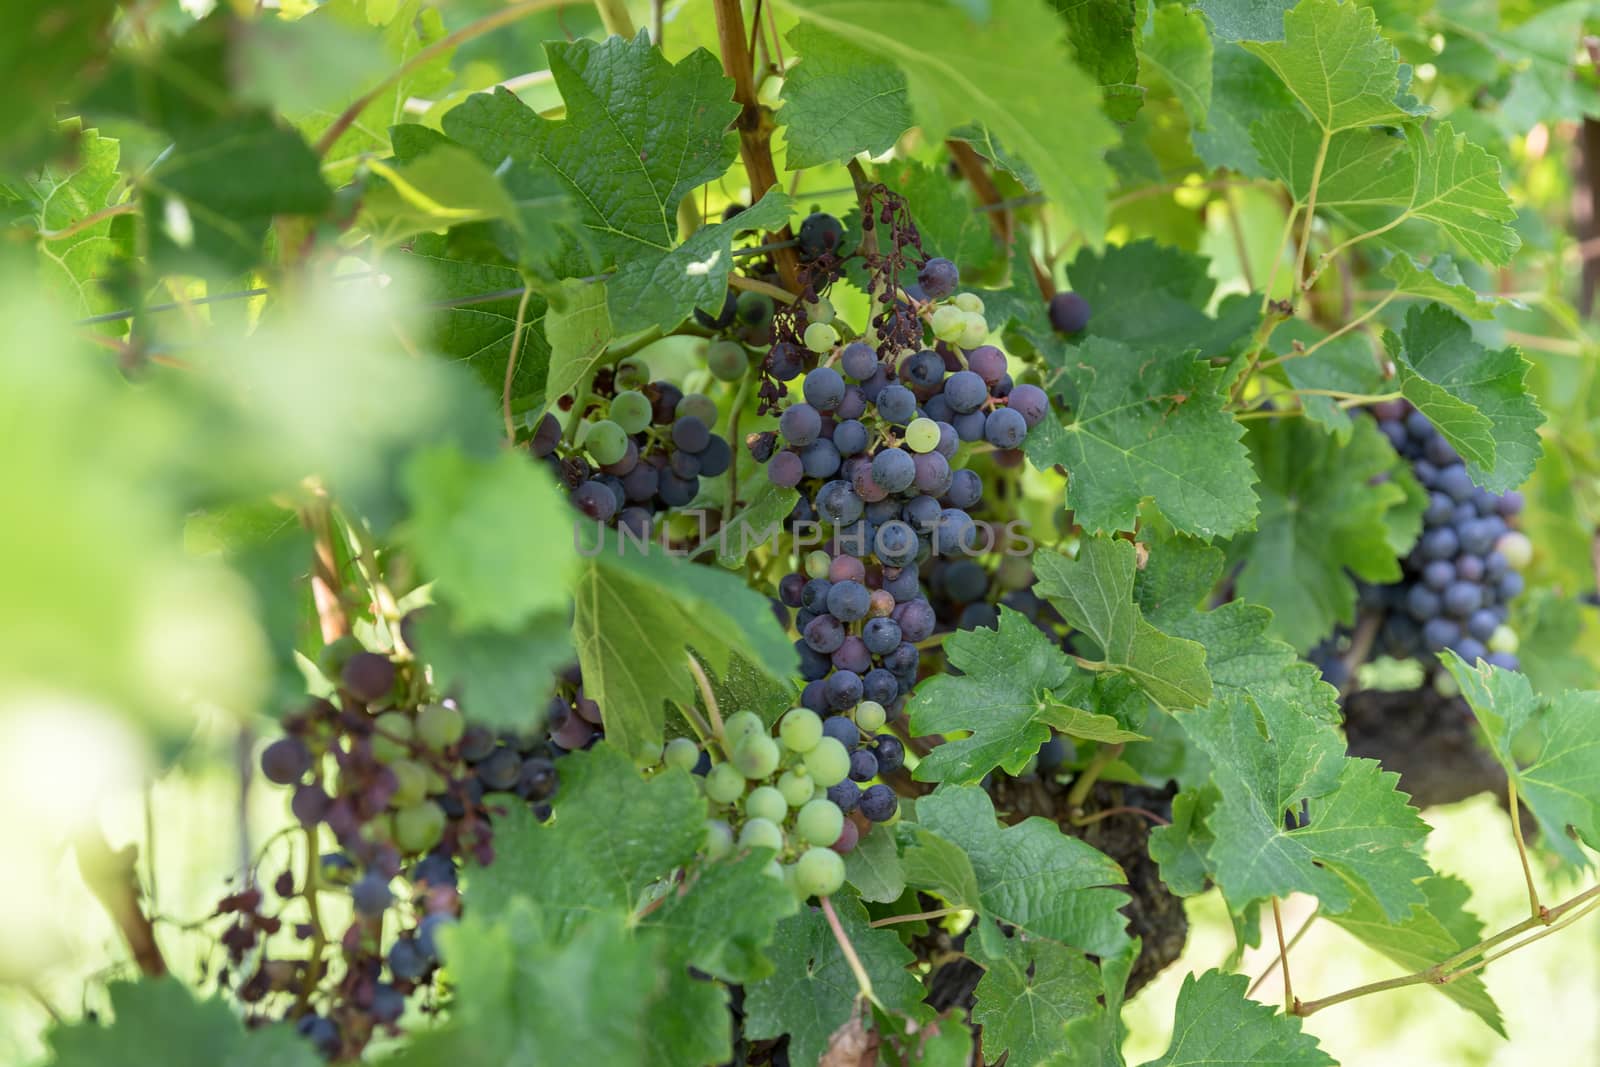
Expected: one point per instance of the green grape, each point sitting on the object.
(698, 405)
(828, 763)
(648, 756)
(975, 332)
(631, 411)
(606, 442)
(411, 780)
(756, 308)
(726, 361)
(765, 802)
(800, 729)
(796, 788)
(681, 753)
(870, 716)
(817, 564)
(820, 822)
(439, 726)
(774, 870)
(419, 827)
(820, 337)
(331, 660)
(390, 732)
(632, 373)
(819, 872)
(821, 311)
(724, 783)
(1504, 639)
(761, 833)
(949, 322)
(742, 724)
(1516, 548)
(756, 756)
(1445, 684)
(719, 839)
(922, 435)
(971, 303)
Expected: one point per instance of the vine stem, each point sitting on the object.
(125, 208)
(863, 980)
(1336, 334)
(110, 876)
(740, 396)
(1283, 956)
(489, 23)
(1311, 214)
(1091, 774)
(313, 886)
(710, 698)
(325, 582)
(1123, 809)
(511, 362)
(936, 913)
(1305, 928)
(756, 285)
(615, 18)
(972, 169)
(1534, 907)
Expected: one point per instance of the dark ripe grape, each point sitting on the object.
(1002, 389)
(1005, 428)
(1495, 566)
(880, 685)
(903, 659)
(785, 361)
(811, 696)
(1461, 599)
(813, 665)
(1510, 505)
(538, 778)
(285, 761)
(823, 388)
(819, 233)
(309, 804)
(923, 369)
(640, 484)
(1030, 402)
(858, 360)
(978, 616)
(897, 404)
(878, 803)
(938, 278)
(866, 487)
(863, 765)
(388, 1003)
(1456, 483)
(814, 595)
(428, 933)
(1439, 452)
(1504, 660)
(895, 544)
(723, 318)
(850, 437)
(903, 586)
(499, 772)
(852, 655)
(969, 427)
(477, 743)
(1483, 623)
(1470, 650)
(938, 409)
(588, 709)
(1438, 543)
(842, 690)
(1396, 433)
(785, 469)
(789, 587)
(988, 363)
(965, 581)
(636, 521)
(1440, 507)
(1478, 537)
(894, 469)
(846, 569)
(848, 601)
(371, 895)
(954, 533)
(881, 636)
(838, 504)
(595, 501)
(845, 796)
(1423, 603)
(434, 869)
(853, 406)
(367, 676)
(800, 424)
(1425, 472)
(715, 457)
(872, 387)
(691, 434)
(965, 391)
(323, 1034)
(406, 961)
(824, 634)
(916, 620)
(892, 754)
(1439, 634)
(1509, 586)
(1418, 426)
(625, 465)
(664, 400)
(842, 730)
(933, 473)
(546, 436)
(1069, 312)
(849, 838)
(1438, 574)
(820, 459)
(949, 440)
(571, 735)
(1469, 568)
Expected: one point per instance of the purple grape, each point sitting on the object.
(1069, 312)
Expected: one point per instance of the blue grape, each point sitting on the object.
(903, 584)
(858, 360)
(966, 489)
(1069, 312)
(691, 434)
(965, 391)
(820, 233)
(965, 581)
(824, 634)
(1030, 402)
(988, 363)
(1461, 599)
(1482, 624)
(892, 754)
(595, 500)
(716, 457)
(881, 635)
(1005, 428)
(1470, 650)
(853, 656)
(406, 960)
(1423, 603)
(842, 730)
(879, 803)
(953, 533)
(676, 492)
(894, 469)
(938, 278)
(813, 665)
(842, 689)
(813, 697)
(850, 437)
(800, 424)
(1439, 543)
(1438, 574)
(1509, 587)
(1504, 660)
(371, 894)
(863, 765)
(880, 684)
(785, 469)
(916, 619)
(938, 409)
(949, 440)
(848, 601)
(322, 1032)
(845, 795)
(1456, 483)
(820, 459)
(786, 361)
(932, 473)
(838, 504)
(823, 388)
(969, 426)
(1470, 568)
(1439, 634)
(897, 404)
(925, 368)
(853, 406)
(896, 543)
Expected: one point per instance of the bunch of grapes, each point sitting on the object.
(636, 448)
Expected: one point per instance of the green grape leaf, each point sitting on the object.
(813, 991)
(1148, 294)
(1322, 521)
(1006, 73)
(939, 866)
(1146, 423)
(1101, 32)
(1179, 48)
(1360, 168)
(586, 859)
(1337, 63)
(1553, 629)
(1267, 757)
(722, 918)
(1244, 90)
(945, 218)
(875, 870)
(495, 535)
(1005, 695)
(1180, 847)
(1437, 930)
(479, 332)
(839, 100)
(1029, 994)
(1439, 281)
(58, 200)
(46, 58)
(504, 677)
(1096, 1040)
(1216, 1025)
(1457, 188)
(1477, 398)
(1094, 594)
(1556, 775)
(756, 523)
(637, 614)
(179, 83)
(441, 187)
(157, 1020)
(1246, 20)
(1031, 875)
(1345, 364)
(578, 328)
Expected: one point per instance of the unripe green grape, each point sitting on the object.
(724, 783)
(390, 732)
(681, 753)
(922, 435)
(971, 303)
(797, 788)
(630, 410)
(419, 827)
(800, 729)
(726, 361)
(1504, 639)
(819, 872)
(949, 322)
(439, 726)
(828, 763)
(648, 756)
(761, 833)
(411, 783)
(819, 822)
(817, 564)
(821, 311)
(757, 756)
(870, 716)
(765, 802)
(632, 373)
(975, 333)
(719, 839)
(1445, 684)
(699, 406)
(742, 724)
(821, 337)
(605, 441)
(755, 308)
(1516, 548)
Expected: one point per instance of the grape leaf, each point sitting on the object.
(1557, 777)
(839, 100)
(1006, 695)
(1435, 931)
(1029, 994)
(1101, 32)
(638, 613)
(757, 523)
(1094, 594)
(1146, 294)
(479, 333)
(945, 218)
(1216, 1025)
(1243, 91)
(1477, 398)
(1031, 875)
(1457, 187)
(1322, 521)
(722, 918)
(1006, 73)
(1439, 281)
(503, 677)
(441, 187)
(1096, 1040)
(578, 328)
(586, 859)
(1178, 46)
(1181, 846)
(813, 991)
(57, 200)
(157, 1020)
(939, 866)
(1344, 364)
(1267, 757)
(875, 870)
(1246, 20)
(46, 59)
(1146, 423)
(495, 535)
